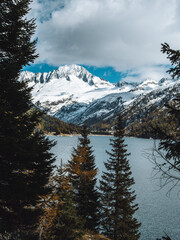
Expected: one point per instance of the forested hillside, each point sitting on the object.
(140, 121)
(52, 125)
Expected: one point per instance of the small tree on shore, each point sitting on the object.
(82, 174)
(60, 220)
(117, 196)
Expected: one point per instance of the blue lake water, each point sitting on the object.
(158, 213)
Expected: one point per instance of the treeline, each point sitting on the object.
(49, 124)
(26, 163)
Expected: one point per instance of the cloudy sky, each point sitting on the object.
(115, 39)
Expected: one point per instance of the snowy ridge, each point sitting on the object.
(74, 95)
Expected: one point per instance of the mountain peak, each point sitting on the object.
(75, 95)
(67, 74)
(71, 69)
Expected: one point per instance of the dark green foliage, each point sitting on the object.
(66, 225)
(174, 57)
(166, 155)
(82, 173)
(25, 160)
(69, 226)
(117, 196)
(61, 220)
(170, 142)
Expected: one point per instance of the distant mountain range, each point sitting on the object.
(74, 95)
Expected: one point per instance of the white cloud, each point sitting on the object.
(149, 72)
(124, 34)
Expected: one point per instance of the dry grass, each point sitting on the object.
(91, 236)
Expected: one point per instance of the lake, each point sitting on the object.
(158, 213)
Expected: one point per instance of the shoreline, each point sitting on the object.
(95, 135)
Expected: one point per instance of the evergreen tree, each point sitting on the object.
(117, 196)
(166, 155)
(82, 173)
(60, 220)
(174, 57)
(25, 160)
(168, 148)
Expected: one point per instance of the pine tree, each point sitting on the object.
(60, 220)
(82, 173)
(169, 142)
(117, 196)
(166, 154)
(174, 57)
(25, 160)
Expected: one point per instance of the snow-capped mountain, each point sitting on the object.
(74, 95)
(67, 85)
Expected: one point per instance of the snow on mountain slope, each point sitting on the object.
(96, 111)
(145, 105)
(74, 95)
(66, 85)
